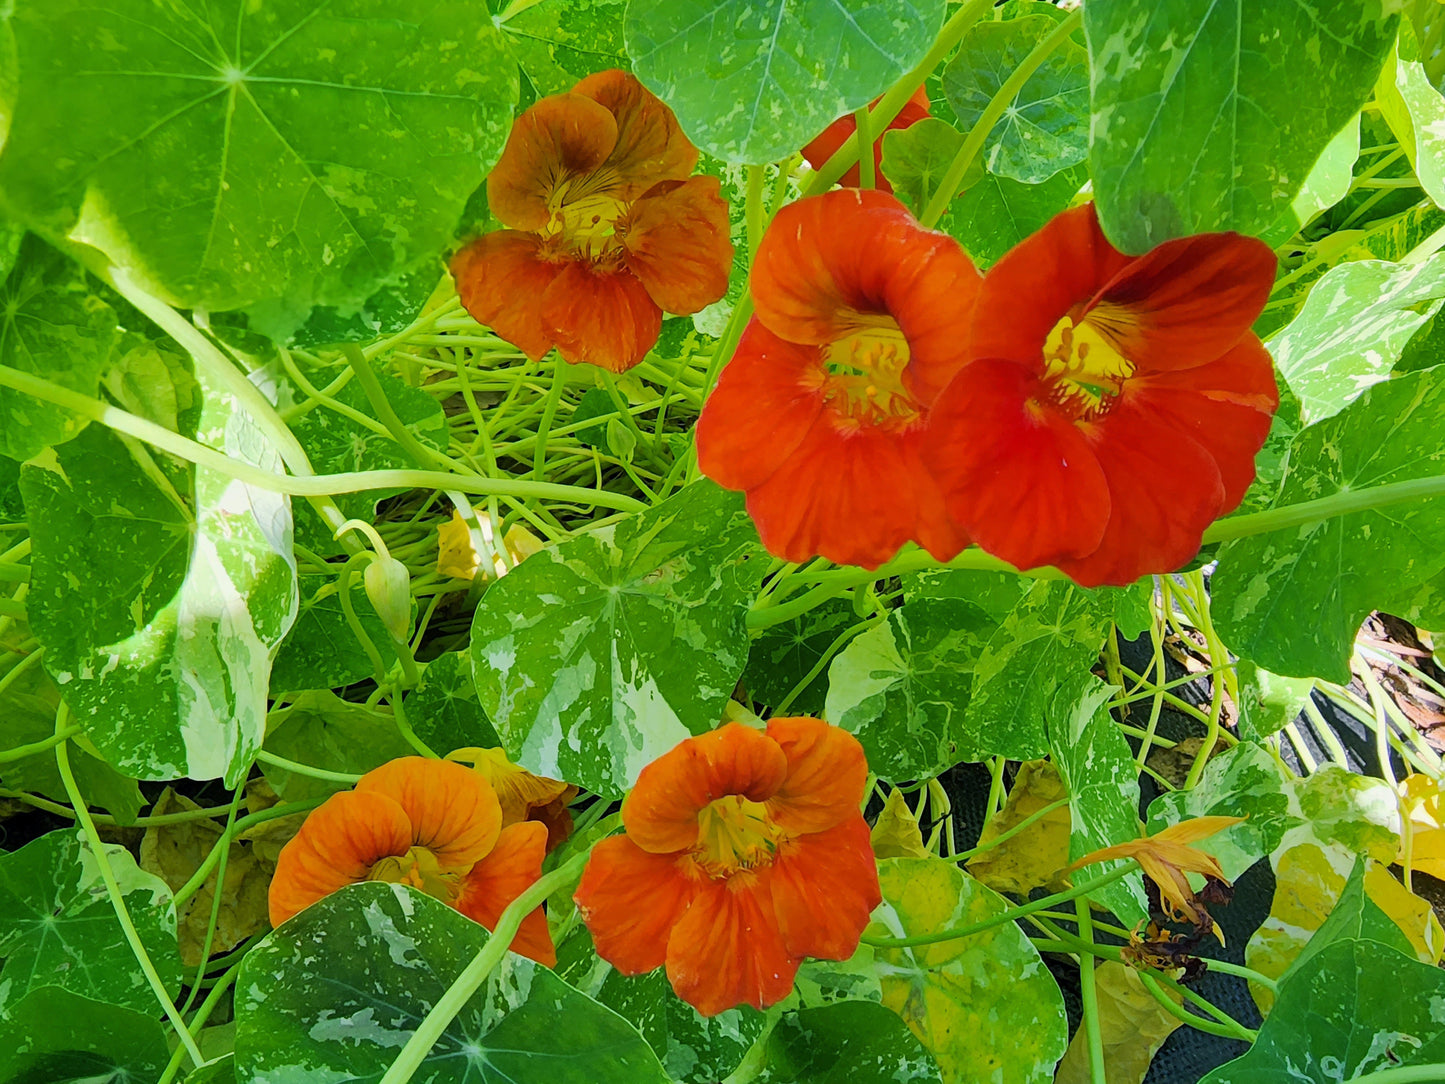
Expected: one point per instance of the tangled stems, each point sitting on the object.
(475, 973)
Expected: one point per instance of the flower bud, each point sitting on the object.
(388, 586)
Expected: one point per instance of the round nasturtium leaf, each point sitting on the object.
(287, 153)
(753, 82)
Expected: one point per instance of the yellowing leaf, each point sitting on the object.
(897, 835)
(1037, 856)
(1426, 826)
(458, 554)
(1133, 1025)
(174, 852)
(1415, 917)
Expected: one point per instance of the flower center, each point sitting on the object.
(584, 215)
(733, 834)
(1084, 371)
(420, 869)
(863, 374)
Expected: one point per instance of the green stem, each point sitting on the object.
(753, 210)
(1406, 1074)
(409, 1060)
(284, 809)
(998, 104)
(117, 901)
(219, 894)
(1003, 837)
(386, 413)
(20, 752)
(203, 1014)
(1089, 994)
(867, 177)
(345, 778)
(1004, 917)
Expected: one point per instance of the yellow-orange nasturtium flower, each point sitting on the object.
(523, 796)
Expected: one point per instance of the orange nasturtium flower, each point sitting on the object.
(836, 134)
(431, 824)
(606, 227)
(862, 319)
(1117, 402)
(744, 853)
(1166, 857)
(523, 796)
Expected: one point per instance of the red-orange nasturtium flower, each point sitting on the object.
(606, 229)
(1117, 402)
(431, 824)
(862, 319)
(744, 853)
(523, 796)
(836, 134)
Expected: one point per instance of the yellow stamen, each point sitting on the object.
(584, 215)
(863, 374)
(420, 869)
(734, 834)
(1083, 368)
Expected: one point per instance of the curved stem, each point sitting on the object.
(284, 809)
(475, 973)
(1089, 994)
(117, 901)
(386, 413)
(203, 1013)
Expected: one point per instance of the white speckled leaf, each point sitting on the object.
(1209, 115)
(1415, 112)
(1096, 765)
(1051, 636)
(557, 42)
(1356, 1007)
(1293, 600)
(296, 152)
(902, 687)
(753, 82)
(58, 928)
(1045, 128)
(847, 1042)
(164, 653)
(985, 1006)
(693, 1049)
(334, 993)
(1354, 324)
(598, 655)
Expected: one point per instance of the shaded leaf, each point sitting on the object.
(321, 730)
(784, 654)
(321, 650)
(55, 1036)
(558, 42)
(996, 213)
(847, 1042)
(916, 158)
(1133, 1025)
(896, 833)
(443, 709)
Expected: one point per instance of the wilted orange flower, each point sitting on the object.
(836, 134)
(1117, 402)
(431, 824)
(744, 853)
(1166, 857)
(862, 319)
(523, 796)
(606, 229)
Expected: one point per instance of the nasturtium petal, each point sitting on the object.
(340, 987)
(984, 1006)
(597, 655)
(753, 82)
(1209, 116)
(1293, 600)
(59, 928)
(288, 154)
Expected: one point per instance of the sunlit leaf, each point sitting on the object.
(754, 82)
(287, 154)
(58, 927)
(1268, 702)
(896, 833)
(1292, 600)
(985, 1006)
(596, 656)
(557, 42)
(341, 987)
(1209, 116)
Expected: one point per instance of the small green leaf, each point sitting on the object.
(985, 1006)
(286, 154)
(321, 650)
(753, 82)
(902, 687)
(598, 655)
(786, 653)
(1352, 329)
(321, 730)
(165, 654)
(443, 709)
(1268, 702)
(693, 1049)
(54, 1036)
(341, 987)
(916, 158)
(1045, 128)
(847, 1042)
(53, 326)
(1354, 1008)
(58, 927)
(997, 213)
(1051, 636)
(1293, 600)
(1209, 116)
(1097, 767)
